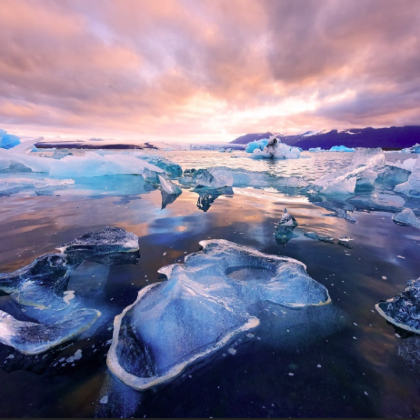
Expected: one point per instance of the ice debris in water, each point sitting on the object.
(411, 188)
(43, 284)
(205, 302)
(97, 245)
(314, 235)
(403, 310)
(287, 219)
(168, 186)
(406, 217)
(284, 228)
(345, 241)
(173, 170)
(315, 149)
(32, 338)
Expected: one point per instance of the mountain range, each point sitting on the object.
(387, 138)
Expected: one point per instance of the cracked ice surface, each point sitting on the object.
(403, 310)
(208, 300)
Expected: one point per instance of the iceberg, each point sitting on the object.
(168, 186)
(275, 149)
(362, 173)
(341, 149)
(222, 150)
(411, 188)
(173, 170)
(407, 218)
(256, 144)
(8, 141)
(210, 178)
(205, 302)
(403, 310)
(315, 149)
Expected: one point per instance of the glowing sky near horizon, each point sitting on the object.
(208, 70)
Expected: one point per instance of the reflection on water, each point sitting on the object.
(342, 359)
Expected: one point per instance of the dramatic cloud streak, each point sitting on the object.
(207, 70)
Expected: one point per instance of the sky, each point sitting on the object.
(207, 70)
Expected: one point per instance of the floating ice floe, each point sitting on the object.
(53, 293)
(403, 310)
(285, 227)
(33, 338)
(208, 178)
(411, 188)
(406, 217)
(314, 235)
(205, 302)
(341, 149)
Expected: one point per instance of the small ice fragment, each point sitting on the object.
(366, 393)
(400, 256)
(250, 335)
(164, 253)
(354, 324)
(397, 335)
(104, 400)
(232, 351)
(354, 338)
(291, 374)
(384, 278)
(10, 356)
(318, 366)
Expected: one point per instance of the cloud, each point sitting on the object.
(207, 70)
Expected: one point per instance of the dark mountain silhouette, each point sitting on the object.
(387, 138)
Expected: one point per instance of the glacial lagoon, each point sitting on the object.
(317, 349)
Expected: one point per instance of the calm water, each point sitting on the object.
(345, 359)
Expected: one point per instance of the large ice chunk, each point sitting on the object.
(206, 301)
(256, 144)
(284, 228)
(102, 244)
(7, 141)
(411, 187)
(32, 338)
(210, 178)
(403, 310)
(173, 170)
(362, 171)
(275, 149)
(168, 186)
(315, 149)
(406, 217)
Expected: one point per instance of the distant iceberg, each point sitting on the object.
(275, 149)
(8, 141)
(215, 295)
(256, 144)
(341, 149)
(315, 149)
